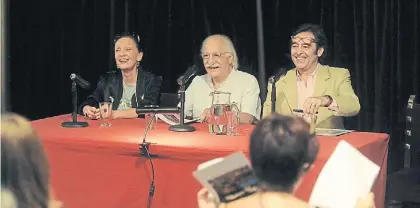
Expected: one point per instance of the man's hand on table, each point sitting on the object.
(312, 104)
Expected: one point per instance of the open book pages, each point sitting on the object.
(346, 176)
(229, 178)
(331, 132)
(173, 119)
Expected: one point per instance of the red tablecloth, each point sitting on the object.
(101, 166)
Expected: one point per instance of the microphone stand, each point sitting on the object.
(144, 146)
(181, 127)
(144, 151)
(74, 123)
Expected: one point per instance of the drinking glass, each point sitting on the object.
(105, 109)
(233, 124)
(314, 118)
(311, 119)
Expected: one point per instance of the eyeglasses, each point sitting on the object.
(134, 35)
(215, 55)
(296, 39)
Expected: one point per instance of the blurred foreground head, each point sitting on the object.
(282, 150)
(24, 165)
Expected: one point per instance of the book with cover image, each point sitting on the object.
(228, 179)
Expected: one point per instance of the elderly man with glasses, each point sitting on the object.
(312, 87)
(221, 64)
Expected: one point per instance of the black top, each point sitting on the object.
(111, 85)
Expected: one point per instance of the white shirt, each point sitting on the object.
(243, 87)
(305, 89)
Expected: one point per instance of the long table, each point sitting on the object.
(102, 166)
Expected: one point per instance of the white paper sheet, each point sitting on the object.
(346, 176)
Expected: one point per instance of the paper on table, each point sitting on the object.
(173, 119)
(346, 176)
(229, 178)
(331, 132)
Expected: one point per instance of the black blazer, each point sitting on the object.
(111, 84)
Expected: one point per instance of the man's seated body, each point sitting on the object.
(221, 64)
(312, 87)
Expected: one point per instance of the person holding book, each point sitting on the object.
(282, 150)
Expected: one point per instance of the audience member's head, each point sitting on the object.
(219, 56)
(282, 150)
(24, 165)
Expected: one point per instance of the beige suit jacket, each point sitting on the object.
(331, 81)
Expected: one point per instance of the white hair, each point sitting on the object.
(229, 48)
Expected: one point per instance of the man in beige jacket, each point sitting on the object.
(311, 86)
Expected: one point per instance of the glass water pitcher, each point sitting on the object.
(224, 116)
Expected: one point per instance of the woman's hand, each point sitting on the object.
(206, 199)
(91, 112)
(367, 201)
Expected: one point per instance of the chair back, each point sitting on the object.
(169, 99)
(412, 134)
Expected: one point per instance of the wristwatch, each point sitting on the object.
(330, 100)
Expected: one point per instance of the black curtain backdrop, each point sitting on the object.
(377, 40)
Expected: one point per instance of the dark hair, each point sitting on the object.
(320, 37)
(134, 36)
(24, 165)
(279, 147)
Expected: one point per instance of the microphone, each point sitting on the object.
(76, 80)
(281, 72)
(191, 71)
(80, 81)
(182, 80)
